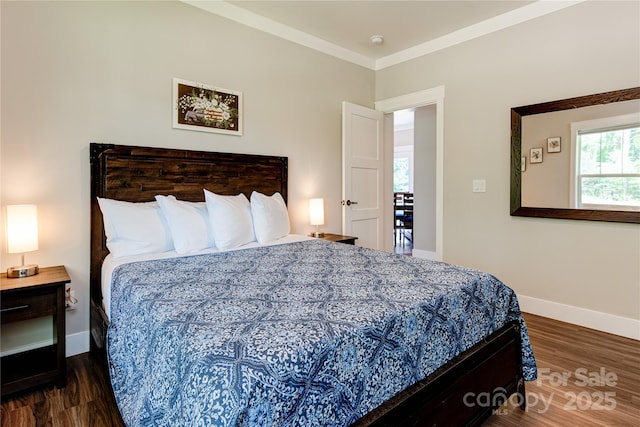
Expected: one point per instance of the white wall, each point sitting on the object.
(403, 139)
(81, 72)
(424, 224)
(582, 267)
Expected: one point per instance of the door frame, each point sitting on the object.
(433, 96)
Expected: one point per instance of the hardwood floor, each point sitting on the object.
(586, 378)
(86, 401)
(403, 245)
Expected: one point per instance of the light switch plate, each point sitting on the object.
(479, 186)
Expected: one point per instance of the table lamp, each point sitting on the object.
(22, 236)
(316, 215)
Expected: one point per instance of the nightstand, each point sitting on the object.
(39, 298)
(349, 240)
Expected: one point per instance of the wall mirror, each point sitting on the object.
(578, 158)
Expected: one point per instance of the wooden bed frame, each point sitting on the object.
(138, 174)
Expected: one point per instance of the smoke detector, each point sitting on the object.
(377, 39)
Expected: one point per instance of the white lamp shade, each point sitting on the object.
(22, 228)
(316, 211)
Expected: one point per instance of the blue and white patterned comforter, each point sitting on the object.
(302, 334)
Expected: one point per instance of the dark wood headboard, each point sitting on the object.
(138, 174)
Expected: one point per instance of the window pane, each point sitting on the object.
(590, 154)
(611, 191)
(401, 174)
(611, 151)
(631, 160)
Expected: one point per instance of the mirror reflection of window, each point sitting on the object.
(607, 163)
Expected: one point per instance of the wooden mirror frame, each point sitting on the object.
(516, 152)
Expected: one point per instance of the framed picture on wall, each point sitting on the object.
(536, 155)
(553, 144)
(523, 163)
(202, 107)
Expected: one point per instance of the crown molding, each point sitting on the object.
(491, 25)
(259, 22)
(497, 23)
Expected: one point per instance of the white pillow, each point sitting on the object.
(230, 218)
(188, 222)
(270, 217)
(134, 228)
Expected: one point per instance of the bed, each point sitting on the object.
(330, 334)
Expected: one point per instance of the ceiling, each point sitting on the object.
(410, 28)
(403, 24)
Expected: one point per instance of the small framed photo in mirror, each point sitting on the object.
(553, 144)
(536, 155)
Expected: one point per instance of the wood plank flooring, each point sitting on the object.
(587, 378)
(403, 245)
(86, 401)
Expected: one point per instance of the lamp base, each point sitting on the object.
(317, 234)
(23, 270)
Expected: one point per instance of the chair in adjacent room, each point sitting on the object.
(403, 217)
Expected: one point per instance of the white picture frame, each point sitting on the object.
(535, 155)
(206, 108)
(553, 144)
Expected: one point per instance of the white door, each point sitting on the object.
(362, 174)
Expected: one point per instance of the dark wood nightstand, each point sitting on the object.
(29, 298)
(349, 240)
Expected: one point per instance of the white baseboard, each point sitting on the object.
(419, 253)
(605, 322)
(77, 343)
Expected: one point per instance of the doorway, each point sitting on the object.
(428, 172)
(414, 181)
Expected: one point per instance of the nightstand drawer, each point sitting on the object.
(27, 304)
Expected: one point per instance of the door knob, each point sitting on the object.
(349, 203)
